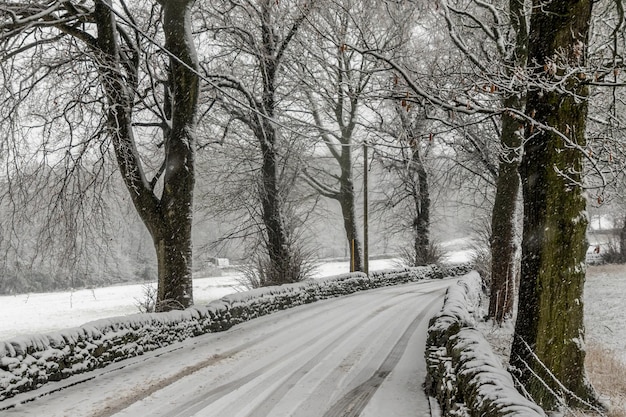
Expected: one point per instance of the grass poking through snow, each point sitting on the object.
(608, 375)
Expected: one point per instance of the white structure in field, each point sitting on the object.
(219, 262)
(594, 255)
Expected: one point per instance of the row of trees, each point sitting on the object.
(268, 101)
(545, 69)
(122, 84)
(534, 70)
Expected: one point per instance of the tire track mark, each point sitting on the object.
(356, 366)
(265, 408)
(215, 394)
(144, 392)
(355, 401)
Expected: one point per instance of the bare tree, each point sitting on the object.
(403, 150)
(606, 130)
(107, 40)
(504, 26)
(254, 37)
(340, 87)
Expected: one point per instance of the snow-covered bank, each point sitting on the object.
(464, 374)
(24, 314)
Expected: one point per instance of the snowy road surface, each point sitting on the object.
(359, 355)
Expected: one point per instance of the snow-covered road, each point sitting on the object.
(360, 355)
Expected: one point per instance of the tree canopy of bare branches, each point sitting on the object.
(96, 51)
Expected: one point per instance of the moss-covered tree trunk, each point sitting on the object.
(548, 343)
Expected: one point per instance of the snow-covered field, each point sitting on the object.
(605, 314)
(39, 313)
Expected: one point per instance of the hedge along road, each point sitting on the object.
(358, 355)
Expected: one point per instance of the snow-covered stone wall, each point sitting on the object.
(26, 363)
(464, 374)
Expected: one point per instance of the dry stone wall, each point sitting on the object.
(464, 374)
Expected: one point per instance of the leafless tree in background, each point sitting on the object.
(253, 39)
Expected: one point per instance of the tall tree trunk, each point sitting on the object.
(548, 343)
(285, 265)
(416, 181)
(503, 219)
(503, 223)
(174, 238)
(281, 268)
(421, 199)
(168, 219)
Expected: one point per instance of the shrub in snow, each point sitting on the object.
(27, 363)
(463, 372)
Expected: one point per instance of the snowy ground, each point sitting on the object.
(39, 313)
(605, 320)
(605, 315)
(356, 355)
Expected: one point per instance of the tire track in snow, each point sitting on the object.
(258, 378)
(267, 406)
(355, 401)
(256, 394)
(161, 382)
(142, 392)
(359, 365)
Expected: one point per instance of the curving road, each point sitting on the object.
(360, 355)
